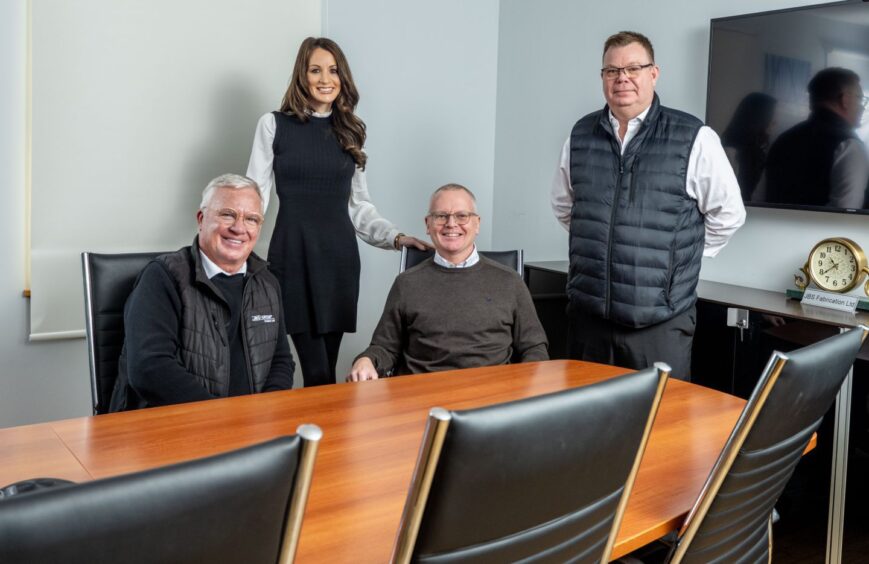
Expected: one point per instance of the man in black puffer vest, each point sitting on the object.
(821, 161)
(645, 191)
(206, 321)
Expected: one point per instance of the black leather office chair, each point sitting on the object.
(731, 521)
(108, 281)
(411, 256)
(241, 506)
(545, 479)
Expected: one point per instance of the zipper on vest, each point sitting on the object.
(217, 328)
(244, 346)
(633, 180)
(609, 245)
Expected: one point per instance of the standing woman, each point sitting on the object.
(311, 150)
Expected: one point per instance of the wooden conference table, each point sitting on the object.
(371, 435)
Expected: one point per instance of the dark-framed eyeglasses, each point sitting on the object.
(631, 71)
(229, 216)
(461, 217)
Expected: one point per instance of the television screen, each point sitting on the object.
(785, 93)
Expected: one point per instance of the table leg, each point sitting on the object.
(839, 472)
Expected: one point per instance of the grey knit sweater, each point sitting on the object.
(438, 318)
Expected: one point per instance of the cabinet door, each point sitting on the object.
(548, 294)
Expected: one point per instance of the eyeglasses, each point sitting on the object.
(229, 216)
(631, 71)
(441, 218)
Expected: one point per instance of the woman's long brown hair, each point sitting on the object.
(349, 129)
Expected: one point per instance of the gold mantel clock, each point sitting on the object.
(835, 264)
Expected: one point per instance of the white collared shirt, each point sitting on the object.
(472, 259)
(710, 181)
(370, 226)
(212, 270)
(633, 125)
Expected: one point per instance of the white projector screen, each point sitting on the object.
(136, 106)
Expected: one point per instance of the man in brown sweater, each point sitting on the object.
(455, 310)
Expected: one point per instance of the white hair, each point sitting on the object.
(234, 181)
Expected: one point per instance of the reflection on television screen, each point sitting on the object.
(785, 93)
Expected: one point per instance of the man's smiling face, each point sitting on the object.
(228, 228)
(452, 241)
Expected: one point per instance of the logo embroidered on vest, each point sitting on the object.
(265, 318)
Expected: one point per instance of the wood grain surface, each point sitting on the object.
(371, 435)
(35, 451)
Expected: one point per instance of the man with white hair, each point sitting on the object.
(206, 321)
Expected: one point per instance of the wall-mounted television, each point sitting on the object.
(788, 153)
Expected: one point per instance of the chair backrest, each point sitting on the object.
(544, 479)
(411, 256)
(730, 521)
(241, 506)
(108, 281)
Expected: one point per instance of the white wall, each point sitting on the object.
(158, 98)
(38, 381)
(426, 74)
(548, 76)
(135, 108)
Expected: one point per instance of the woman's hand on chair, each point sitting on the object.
(410, 241)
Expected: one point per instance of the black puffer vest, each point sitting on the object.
(636, 237)
(205, 349)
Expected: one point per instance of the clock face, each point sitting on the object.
(834, 267)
